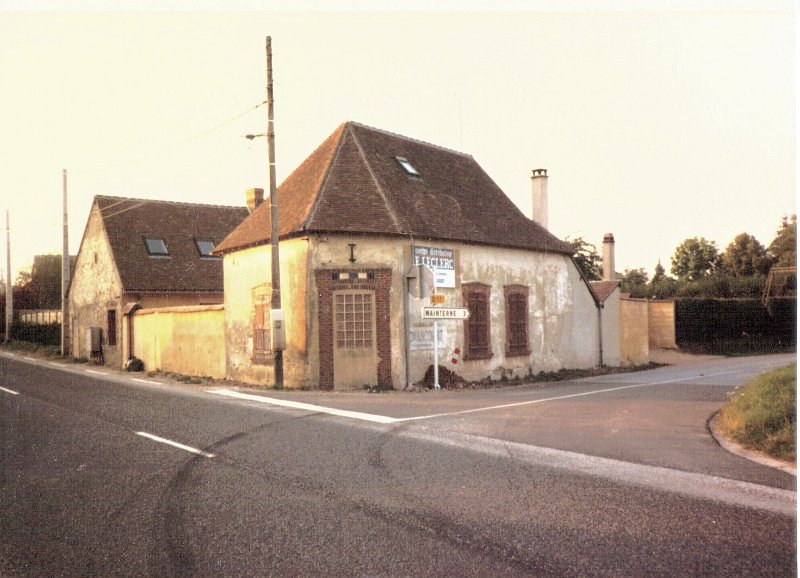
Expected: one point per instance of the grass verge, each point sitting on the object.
(762, 415)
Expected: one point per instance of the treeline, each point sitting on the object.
(699, 269)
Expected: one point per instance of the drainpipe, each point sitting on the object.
(600, 326)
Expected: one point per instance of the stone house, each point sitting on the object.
(355, 218)
(138, 253)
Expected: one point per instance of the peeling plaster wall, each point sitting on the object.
(187, 340)
(563, 321)
(661, 316)
(95, 288)
(247, 271)
(612, 336)
(634, 328)
(563, 324)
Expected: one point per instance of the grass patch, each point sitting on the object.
(763, 416)
(34, 349)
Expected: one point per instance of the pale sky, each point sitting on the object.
(656, 121)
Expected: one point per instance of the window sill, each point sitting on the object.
(263, 359)
(525, 353)
(477, 356)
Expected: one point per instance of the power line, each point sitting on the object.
(184, 141)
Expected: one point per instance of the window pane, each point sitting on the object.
(156, 247)
(205, 247)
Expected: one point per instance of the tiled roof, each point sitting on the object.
(353, 183)
(128, 222)
(603, 289)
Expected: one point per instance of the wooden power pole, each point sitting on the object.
(273, 201)
(65, 273)
(9, 288)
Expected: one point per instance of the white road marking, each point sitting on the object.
(146, 381)
(95, 372)
(11, 391)
(696, 485)
(559, 397)
(305, 406)
(388, 420)
(174, 444)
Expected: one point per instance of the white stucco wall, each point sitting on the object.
(95, 288)
(563, 323)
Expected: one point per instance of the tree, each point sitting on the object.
(695, 258)
(586, 258)
(634, 281)
(661, 286)
(746, 257)
(783, 248)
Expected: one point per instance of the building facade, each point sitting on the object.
(357, 217)
(140, 253)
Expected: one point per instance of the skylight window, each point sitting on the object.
(408, 167)
(204, 246)
(156, 247)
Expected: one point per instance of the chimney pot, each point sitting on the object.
(539, 194)
(609, 273)
(254, 198)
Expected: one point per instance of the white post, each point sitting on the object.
(435, 343)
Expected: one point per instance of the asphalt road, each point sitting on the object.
(609, 476)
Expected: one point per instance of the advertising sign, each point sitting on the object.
(441, 261)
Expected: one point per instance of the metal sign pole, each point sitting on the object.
(435, 344)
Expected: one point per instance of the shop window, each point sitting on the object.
(477, 329)
(516, 297)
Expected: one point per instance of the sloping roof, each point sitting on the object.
(128, 222)
(603, 289)
(353, 183)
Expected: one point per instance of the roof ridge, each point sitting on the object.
(318, 193)
(182, 203)
(408, 138)
(381, 192)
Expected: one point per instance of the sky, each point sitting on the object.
(657, 121)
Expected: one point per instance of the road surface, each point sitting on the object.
(103, 475)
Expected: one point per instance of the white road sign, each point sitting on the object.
(460, 313)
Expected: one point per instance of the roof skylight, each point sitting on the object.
(408, 167)
(204, 246)
(156, 247)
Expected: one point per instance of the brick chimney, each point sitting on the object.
(539, 192)
(254, 197)
(608, 257)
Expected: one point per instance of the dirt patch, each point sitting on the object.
(678, 357)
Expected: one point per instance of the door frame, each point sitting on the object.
(377, 280)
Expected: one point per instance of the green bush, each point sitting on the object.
(711, 321)
(763, 415)
(42, 334)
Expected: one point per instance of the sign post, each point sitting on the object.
(435, 346)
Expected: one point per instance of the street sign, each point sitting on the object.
(459, 313)
(437, 299)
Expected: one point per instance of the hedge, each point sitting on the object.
(42, 334)
(710, 320)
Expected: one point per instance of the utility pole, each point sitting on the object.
(9, 289)
(273, 202)
(65, 273)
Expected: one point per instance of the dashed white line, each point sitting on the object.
(95, 372)
(146, 381)
(174, 444)
(11, 391)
